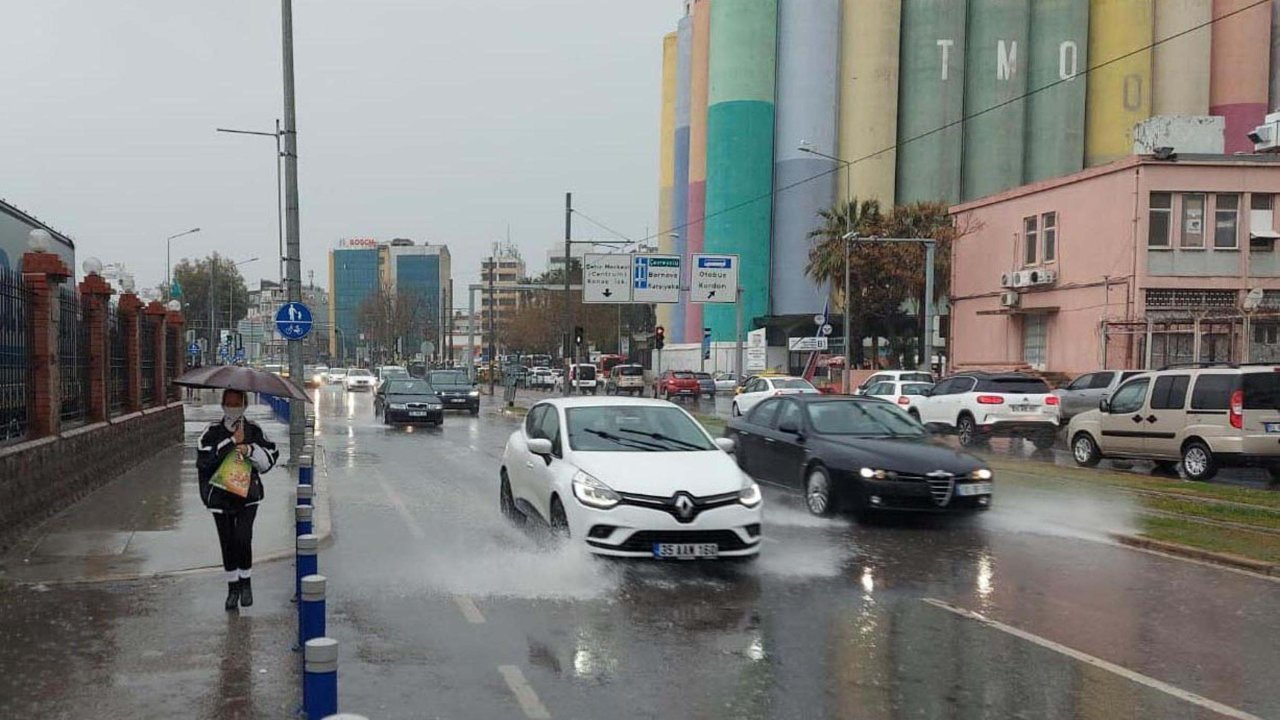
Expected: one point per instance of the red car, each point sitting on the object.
(676, 383)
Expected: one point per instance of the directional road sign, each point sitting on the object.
(293, 320)
(806, 344)
(193, 349)
(606, 278)
(714, 279)
(655, 278)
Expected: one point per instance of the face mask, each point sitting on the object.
(232, 414)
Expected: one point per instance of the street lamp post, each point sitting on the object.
(168, 260)
(279, 195)
(848, 202)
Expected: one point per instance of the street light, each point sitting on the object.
(279, 197)
(168, 259)
(805, 147)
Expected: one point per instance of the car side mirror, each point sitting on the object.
(1104, 405)
(927, 392)
(726, 444)
(540, 446)
(789, 428)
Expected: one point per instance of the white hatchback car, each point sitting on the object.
(767, 386)
(904, 394)
(359, 379)
(630, 477)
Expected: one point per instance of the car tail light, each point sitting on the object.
(990, 400)
(904, 400)
(1236, 414)
(1051, 400)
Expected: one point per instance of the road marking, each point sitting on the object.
(1204, 702)
(1202, 563)
(398, 503)
(468, 608)
(528, 699)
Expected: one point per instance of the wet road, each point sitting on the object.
(446, 611)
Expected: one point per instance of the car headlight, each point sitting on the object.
(873, 474)
(592, 492)
(981, 474)
(750, 494)
(399, 406)
(475, 393)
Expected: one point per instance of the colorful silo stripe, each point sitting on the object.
(868, 94)
(667, 158)
(1238, 75)
(931, 100)
(1119, 93)
(1053, 143)
(995, 79)
(699, 59)
(1180, 73)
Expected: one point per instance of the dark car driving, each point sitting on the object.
(856, 453)
(455, 390)
(410, 401)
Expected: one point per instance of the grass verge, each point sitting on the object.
(1184, 531)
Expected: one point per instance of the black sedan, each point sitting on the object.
(410, 401)
(856, 453)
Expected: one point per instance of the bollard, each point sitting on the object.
(302, 520)
(320, 678)
(308, 563)
(306, 469)
(311, 609)
(346, 716)
(306, 493)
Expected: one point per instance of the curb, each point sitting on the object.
(1186, 551)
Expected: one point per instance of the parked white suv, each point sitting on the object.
(979, 405)
(903, 376)
(1205, 417)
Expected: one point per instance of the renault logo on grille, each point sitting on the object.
(684, 507)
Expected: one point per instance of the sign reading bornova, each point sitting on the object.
(715, 279)
(655, 278)
(630, 278)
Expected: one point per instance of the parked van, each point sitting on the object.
(1204, 416)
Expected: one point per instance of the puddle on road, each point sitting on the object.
(1083, 513)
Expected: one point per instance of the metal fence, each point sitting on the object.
(147, 358)
(173, 359)
(73, 358)
(15, 342)
(118, 377)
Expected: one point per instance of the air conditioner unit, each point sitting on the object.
(1009, 299)
(1021, 278)
(1266, 137)
(1046, 277)
(1006, 280)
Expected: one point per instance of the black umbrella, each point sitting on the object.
(235, 377)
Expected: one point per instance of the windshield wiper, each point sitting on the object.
(625, 442)
(666, 438)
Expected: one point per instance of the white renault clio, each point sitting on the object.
(630, 477)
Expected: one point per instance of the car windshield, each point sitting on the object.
(871, 419)
(683, 376)
(1030, 385)
(915, 388)
(409, 387)
(359, 372)
(702, 376)
(394, 372)
(917, 377)
(338, 373)
(449, 377)
(792, 384)
(629, 370)
(634, 428)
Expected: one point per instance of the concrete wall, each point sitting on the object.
(1185, 134)
(42, 477)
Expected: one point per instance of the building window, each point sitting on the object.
(1029, 239)
(1226, 222)
(1158, 220)
(1049, 228)
(1262, 234)
(1192, 221)
(1034, 332)
(1266, 334)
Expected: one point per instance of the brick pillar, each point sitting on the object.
(42, 272)
(130, 309)
(155, 313)
(177, 346)
(95, 293)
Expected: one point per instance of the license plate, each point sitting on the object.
(1023, 408)
(1271, 427)
(417, 413)
(458, 401)
(967, 489)
(685, 550)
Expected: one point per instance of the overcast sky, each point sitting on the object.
(442, 120)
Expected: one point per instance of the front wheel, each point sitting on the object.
(559, 521)
(1274, 473)
(1085, 451)
(1044, 440)
(818, 494)
(507, 503)
(475, 411)
(1197, 462)
(735, 411)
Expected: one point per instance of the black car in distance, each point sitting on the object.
(455, 390)
(409, 401)
(856, 453)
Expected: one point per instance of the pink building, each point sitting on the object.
(1140, 263)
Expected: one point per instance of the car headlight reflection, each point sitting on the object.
(592, 492)
(750, 494)
(399, 406)
(981, 474)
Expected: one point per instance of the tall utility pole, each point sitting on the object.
(493, 359)
(293, 264)
(568, 299)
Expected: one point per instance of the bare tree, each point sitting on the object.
(395, 323)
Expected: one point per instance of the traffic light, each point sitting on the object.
(577, 336)
(659, 337)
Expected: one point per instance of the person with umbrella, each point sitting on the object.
(234, 512)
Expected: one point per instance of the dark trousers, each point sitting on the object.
(235, 535)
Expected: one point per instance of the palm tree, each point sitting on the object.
(827, 243)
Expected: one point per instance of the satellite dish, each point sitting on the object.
(1253, 299)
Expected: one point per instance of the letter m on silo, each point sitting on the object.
(1006, 59)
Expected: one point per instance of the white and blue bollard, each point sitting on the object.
(311, 609)
(320, 678)
(306, 469)
(308, 563)
(302, 519)
(306, 494)
(346, 716)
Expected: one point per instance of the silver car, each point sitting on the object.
(1085, 392)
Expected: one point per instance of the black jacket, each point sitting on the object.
(215, 443)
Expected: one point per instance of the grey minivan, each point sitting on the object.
(1084, 392)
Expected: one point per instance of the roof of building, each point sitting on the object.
(30, 219)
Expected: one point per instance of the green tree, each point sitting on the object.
(230, 296)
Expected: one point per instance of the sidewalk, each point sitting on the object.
(150, 522)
